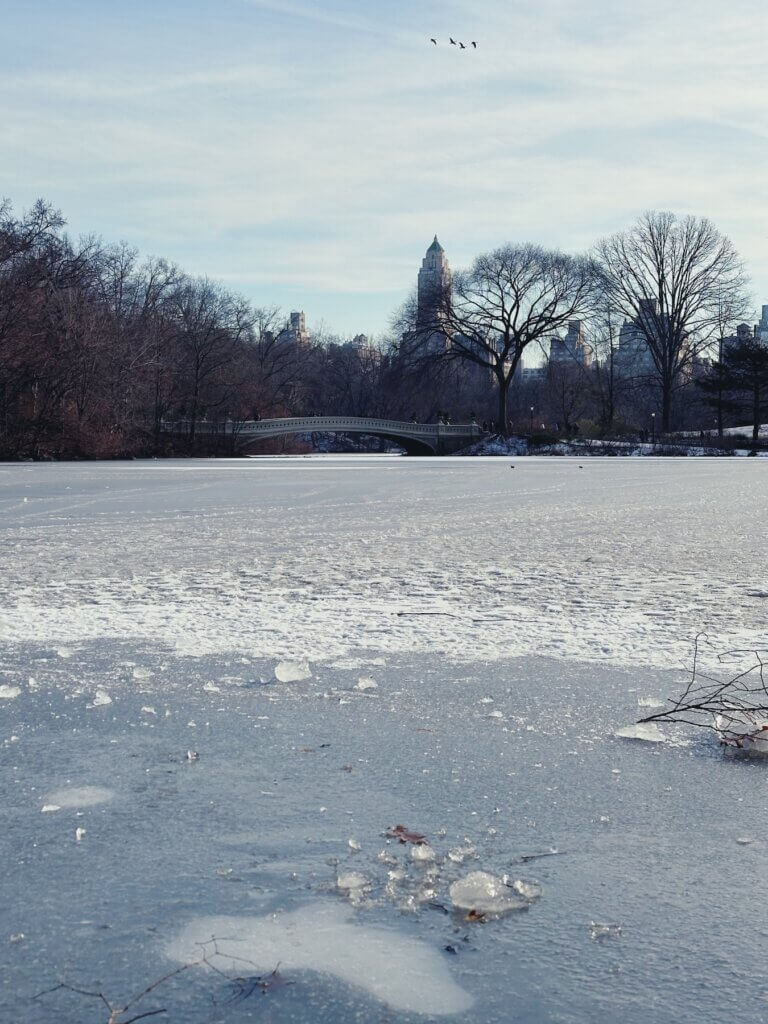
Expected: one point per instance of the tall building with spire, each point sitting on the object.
(434, 284)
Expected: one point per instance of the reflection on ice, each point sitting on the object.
(401, 971)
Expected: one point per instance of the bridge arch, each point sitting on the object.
(415, 438)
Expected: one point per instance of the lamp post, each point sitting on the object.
(653, 429)
(531, 419)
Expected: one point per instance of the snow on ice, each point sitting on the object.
(401, 971)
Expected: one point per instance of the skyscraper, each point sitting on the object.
(434, 285)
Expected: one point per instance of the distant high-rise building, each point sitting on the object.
(433, 290)
(572, 348)
(296, 329)
(434, 284)
(761, 328)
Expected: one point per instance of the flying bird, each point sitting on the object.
(452, 41)
(462, 46)
(474, 44)
(433, 41)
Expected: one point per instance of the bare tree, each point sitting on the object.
(507, 300)
(672, 277)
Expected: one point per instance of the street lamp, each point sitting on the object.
(531, 419)
(653, 428)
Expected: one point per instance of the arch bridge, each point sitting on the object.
(415, 438)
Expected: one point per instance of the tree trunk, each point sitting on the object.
(666, 406)
(503, 382)
(756, 412)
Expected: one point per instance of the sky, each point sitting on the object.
(306, 153)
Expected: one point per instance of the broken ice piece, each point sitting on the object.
(482, 893)
(147, 710)
(649, 702)
(645, 731)
(530, 891)
(604, 931)
(292, 671)
(744, 840)
(192, 755)
(9, 692)
(101, 698)
(354, 845)
(351, 881)
(422, 853)
(79, 833)
(47, 808)
(458, 853)
(366, 683)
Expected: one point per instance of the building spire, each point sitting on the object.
(435, 247)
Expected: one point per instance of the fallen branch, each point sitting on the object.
(733, 706)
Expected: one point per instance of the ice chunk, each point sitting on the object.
(48, 808)
(366, 683)
(354, 845)
(9, 692)
(744, 840)
(100, 699)
(650, 702)
(142, 673)
(648, 732)
(459, 853)
(148, 710)
(211, 688)
(79, 833)
(406, 974)
(422, 853)
(530, 891)
(485, 894)
(348, 881)
(292, 671)
(81, 796)
(604, 931)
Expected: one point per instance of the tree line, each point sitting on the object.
(99, 347)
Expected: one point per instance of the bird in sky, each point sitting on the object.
(474, 44)
(433, 41)
(452, 41)
(462, 46)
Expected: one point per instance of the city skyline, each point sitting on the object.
(306, 156)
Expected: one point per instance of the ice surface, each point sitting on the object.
(395, 968)
(292, 671)
(648, 732)
(484, 893)
(554, 596)
(79, 796)
(586, 572)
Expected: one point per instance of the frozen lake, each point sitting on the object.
(474, 635)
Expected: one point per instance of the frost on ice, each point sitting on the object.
(292, 671)
(403, 972)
